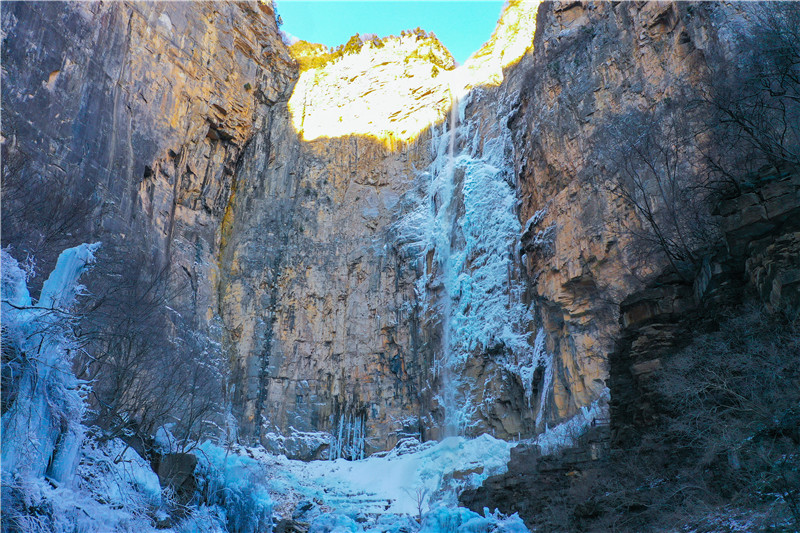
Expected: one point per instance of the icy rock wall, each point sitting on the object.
(318, 295)
(463, 227)
(593, 65)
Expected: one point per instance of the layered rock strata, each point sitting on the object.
(594, 69)
(137, 111)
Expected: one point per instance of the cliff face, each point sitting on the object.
(174, 122)
(595, 66)
(385, 245)
(317, 306)
(136, 112)
(334, 261)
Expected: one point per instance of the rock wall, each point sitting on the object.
(181, 127)
(330, 295)
(138, 112)
(333, 319)
(593, 66)
(756, 260)
(317, 304)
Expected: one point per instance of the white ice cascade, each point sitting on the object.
(42, 430)
(348, 440)
(463, 227)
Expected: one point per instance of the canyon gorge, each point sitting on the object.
(362, 253)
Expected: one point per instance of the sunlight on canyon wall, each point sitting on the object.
(394, 90)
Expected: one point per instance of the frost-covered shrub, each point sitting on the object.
(24, 507)
(333, 523)
(461, 520)
(204, 519)
(228, 482)
(114, 491)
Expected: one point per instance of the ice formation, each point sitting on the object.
(463, 215)
(42, 430)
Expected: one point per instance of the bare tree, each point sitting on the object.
(420, 496)
(40, 218)
(147, 366)
(654, 171)
(756, 108)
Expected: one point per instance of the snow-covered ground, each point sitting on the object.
(384, 492)
(395, 482)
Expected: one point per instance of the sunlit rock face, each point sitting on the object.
(394, 89)
(390, 91)
(593, 64)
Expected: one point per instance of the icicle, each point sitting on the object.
(42, 430)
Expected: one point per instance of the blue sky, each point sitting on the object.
(463, 26)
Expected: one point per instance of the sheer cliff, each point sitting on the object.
(332, 308)
(384, 245)
(125, 121)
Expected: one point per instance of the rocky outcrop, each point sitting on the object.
(176, 472)
(387, 89)
(756, 260)
(535, 485)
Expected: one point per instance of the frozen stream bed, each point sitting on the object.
(391, 491)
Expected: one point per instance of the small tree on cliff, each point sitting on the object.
(756, 107)
(671, 163)
(353, 45)
(655, 172)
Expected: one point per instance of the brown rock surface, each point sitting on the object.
(180, 118)
(319, 299)
(592, 65)
(144, 107)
